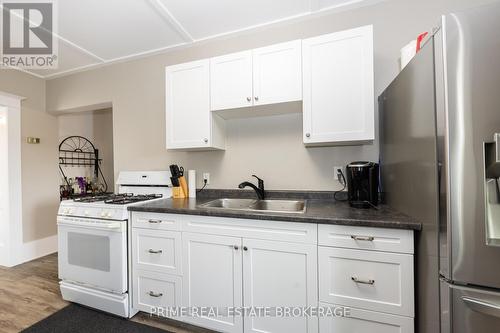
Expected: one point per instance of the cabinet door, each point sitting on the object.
(231, 81)
(212, 278)
(188, 105)
(279, 274)
(338, 87)
(277, 73)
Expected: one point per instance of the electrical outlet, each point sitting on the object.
(337, 175)
(206, 178)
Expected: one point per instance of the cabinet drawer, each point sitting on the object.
(366, 279)
(376, 239)
(363, 321)
(153, 289)
(157, 250)
(156, 221)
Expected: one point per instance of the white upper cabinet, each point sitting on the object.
(231, 81)
(189, 122)
(331, 74)
(338, 97)
(266, 75)
(277, 73)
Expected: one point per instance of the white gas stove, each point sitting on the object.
(92, 236)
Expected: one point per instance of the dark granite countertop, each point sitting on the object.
(321, 209)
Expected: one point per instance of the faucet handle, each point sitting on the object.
(260, 180)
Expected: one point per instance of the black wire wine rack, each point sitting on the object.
(77, 151)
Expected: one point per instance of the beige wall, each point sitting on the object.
(97, 126)
(40, 176)
(269, 147)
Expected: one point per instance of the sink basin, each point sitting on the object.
(288, 206)
(273, 206)
(229, 203)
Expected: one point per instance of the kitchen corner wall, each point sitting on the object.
(269, 147)
(40, 176)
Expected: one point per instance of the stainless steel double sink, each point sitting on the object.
(271, 206)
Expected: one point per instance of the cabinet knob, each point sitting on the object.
(205, 140)
(248, 99)
(308, 135)
(245, 248)
(236, 247)
(256, 98)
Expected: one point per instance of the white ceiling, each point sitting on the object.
(96, 32)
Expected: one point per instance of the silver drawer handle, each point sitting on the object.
(153, 294)
(363, 238)
(154, 221)
(155, 251)
(355, 279)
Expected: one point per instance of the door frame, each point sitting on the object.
(11, 246)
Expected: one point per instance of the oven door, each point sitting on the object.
(93, 253)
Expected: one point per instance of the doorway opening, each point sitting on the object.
(90, 169)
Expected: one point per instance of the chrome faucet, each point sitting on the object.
(259, 190)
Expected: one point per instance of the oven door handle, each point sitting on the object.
(113, 226)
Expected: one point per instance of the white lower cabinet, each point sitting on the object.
(279, 274)
(213, 278)
(220, 263)
(156, 290)
(364, 321)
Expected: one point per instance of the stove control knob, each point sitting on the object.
(86, 213)
(103, 214)
(109, 215)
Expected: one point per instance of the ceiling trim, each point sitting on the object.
(171, 20)
(190, 41)
(118, 60)
(79, 48)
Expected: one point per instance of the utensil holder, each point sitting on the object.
(178, 193)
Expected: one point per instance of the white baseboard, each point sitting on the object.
(4, 256)
(37, 248)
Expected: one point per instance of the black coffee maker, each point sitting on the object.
(362, 184)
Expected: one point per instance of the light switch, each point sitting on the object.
(33, 141)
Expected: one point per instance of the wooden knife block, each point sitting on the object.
(180, 192)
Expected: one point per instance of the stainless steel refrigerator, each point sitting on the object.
(440, 162)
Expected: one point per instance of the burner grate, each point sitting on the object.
(123, 199)
(93, 198)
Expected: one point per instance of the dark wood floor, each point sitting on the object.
(30, 293)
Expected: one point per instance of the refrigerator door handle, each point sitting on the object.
(486, 307)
